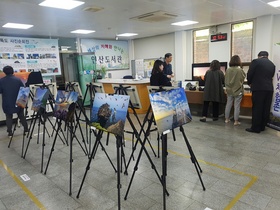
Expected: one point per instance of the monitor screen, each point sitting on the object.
(199, 70)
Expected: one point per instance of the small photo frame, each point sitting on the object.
(40, 99)
(22, 97)
(65, 104)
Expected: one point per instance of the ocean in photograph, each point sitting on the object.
(109, 112)
(170, 109)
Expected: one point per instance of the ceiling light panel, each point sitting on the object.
(274, 3)
(184, 23)
(82, 31)
(17, 26)
(127, 34)
(61, 4)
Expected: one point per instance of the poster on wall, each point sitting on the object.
(274, 121)
(108, 53)
(148, 66)
(30, 54)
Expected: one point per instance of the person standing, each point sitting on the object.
(167, 66)
(158, 78)
(260, 75)
(234, 79)
(9, 88)
(213, 90)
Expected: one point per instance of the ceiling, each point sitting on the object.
(115, 17)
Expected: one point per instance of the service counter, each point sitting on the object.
(141, 86)
(195, 99)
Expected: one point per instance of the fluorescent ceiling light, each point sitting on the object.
(127, 34)
(61, 4)
(274, 3)
(81, 31)
(184, 23)
(17, 26)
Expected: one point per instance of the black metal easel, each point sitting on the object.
(122, 90)
(164, 157)
(70, 129)
(97, 142)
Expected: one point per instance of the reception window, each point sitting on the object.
(201, 46)
(242, 40)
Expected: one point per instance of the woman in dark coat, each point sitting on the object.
(158, 78)
(9, 88)
(213, 90)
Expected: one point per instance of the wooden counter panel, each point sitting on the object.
(196, 97)
(142, 92)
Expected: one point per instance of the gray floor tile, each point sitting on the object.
(229, 157)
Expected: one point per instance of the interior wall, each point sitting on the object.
(221, 50)
(154, 47)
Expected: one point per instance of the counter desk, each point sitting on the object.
(140, 85)
(195, 99)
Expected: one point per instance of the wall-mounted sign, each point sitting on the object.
(108, 53)
(219, 37)
(30, 54)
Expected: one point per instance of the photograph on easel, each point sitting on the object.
(63, 101)
(22, 97)
(40, 99)
(170, 109)
(109, 112)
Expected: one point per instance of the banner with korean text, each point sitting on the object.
(274, 121)
(30, 54)
(108, 53)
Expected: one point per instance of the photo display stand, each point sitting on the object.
(153, 89)
(65, 105)
(40, 99)
(108, 115)
(149, 118)
(75, 87)
(21, 102)
(91, 89)
(127, 90)
(171, 110)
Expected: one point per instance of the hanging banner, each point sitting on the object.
(108, 53)
(30, 54)
(274, 121)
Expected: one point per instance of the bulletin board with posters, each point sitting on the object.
(108, 53)
(148, 66)
(30, 54)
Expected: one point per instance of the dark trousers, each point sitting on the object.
(215, 106)
(9, 120)
(261, 101)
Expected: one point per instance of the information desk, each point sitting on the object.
(141, 86)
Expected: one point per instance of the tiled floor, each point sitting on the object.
(241, 170)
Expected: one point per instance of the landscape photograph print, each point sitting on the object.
(109, 112)
(170, 109)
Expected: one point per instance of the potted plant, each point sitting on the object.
(103, 71)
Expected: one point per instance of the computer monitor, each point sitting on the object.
(199, 70)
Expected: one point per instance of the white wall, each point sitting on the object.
(221, 50)
(266, 34)
(154, 47)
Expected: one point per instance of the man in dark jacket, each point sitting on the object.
(9, 88)
(260, 76)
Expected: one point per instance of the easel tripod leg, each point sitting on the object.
(193, 158)
(99, 136)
